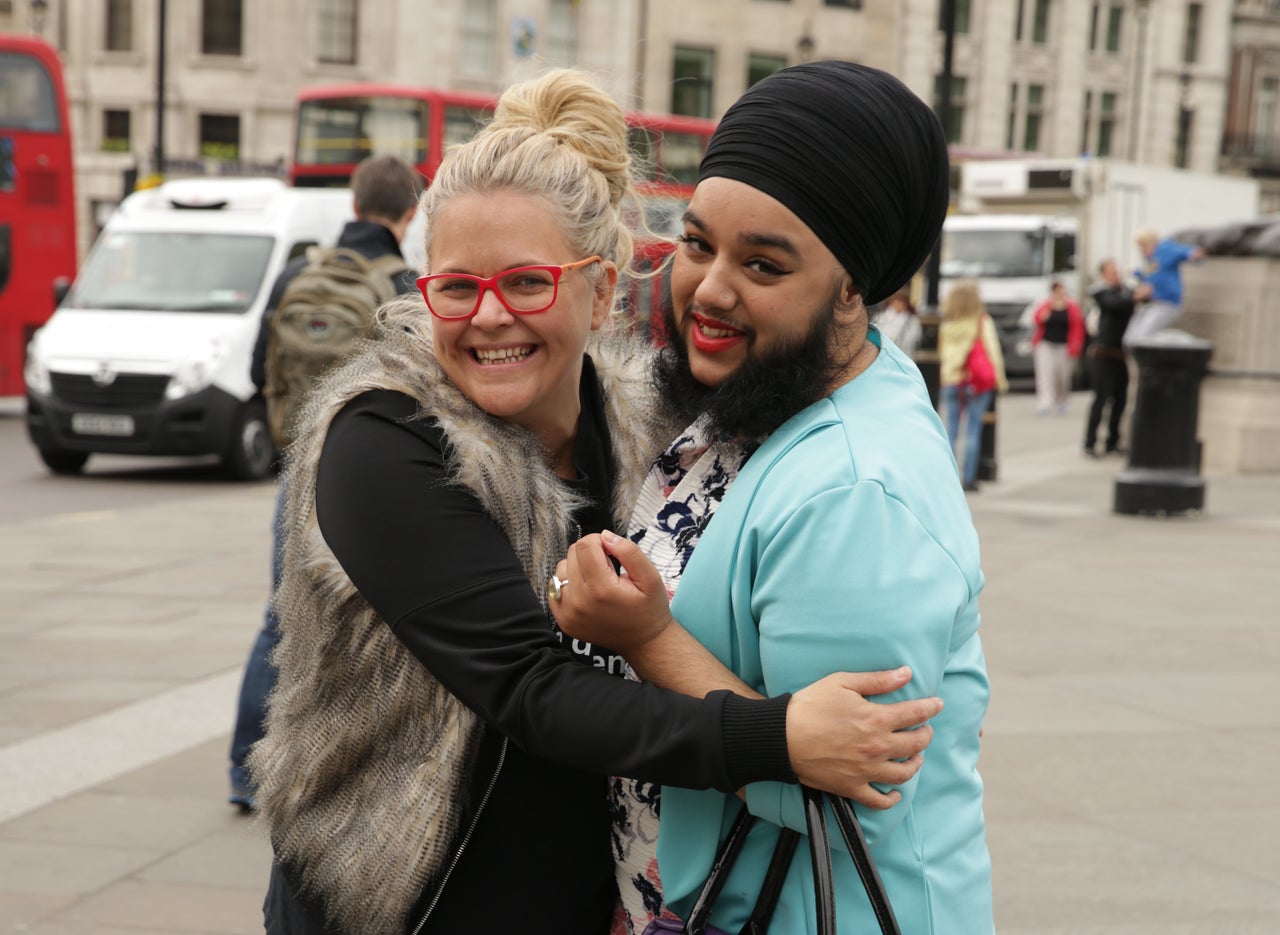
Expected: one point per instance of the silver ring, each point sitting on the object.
(554, 586)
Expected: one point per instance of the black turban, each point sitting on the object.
(853, 153)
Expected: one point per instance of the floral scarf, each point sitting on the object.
(676, 502)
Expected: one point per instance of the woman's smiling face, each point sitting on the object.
(748, 278)
(521, 368)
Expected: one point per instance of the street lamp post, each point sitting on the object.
(927, 354)
(805, 46)
(160, 74)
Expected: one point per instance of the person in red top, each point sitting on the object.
(1058, 340)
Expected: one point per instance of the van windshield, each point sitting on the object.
(172, 272)
(992, 253)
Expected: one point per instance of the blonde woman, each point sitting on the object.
(437, 755)
(966, 324)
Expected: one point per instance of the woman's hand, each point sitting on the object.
(841, 743)
(622, 610)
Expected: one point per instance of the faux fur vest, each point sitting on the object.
(361, 777)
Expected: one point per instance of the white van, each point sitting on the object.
(149, 352)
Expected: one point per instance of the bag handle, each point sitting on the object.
(780, 862)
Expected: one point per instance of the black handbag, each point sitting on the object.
(819, 852)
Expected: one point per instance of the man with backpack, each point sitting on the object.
(320, 306)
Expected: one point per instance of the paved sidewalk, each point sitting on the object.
(1130, 754)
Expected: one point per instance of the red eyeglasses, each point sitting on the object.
(525, 290)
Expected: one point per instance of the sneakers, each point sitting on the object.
(243, 799)
(1091, 452)
(970, 487)
(1117, 450)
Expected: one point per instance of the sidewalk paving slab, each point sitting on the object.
(1129, 755)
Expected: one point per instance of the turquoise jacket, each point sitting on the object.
(846, 544)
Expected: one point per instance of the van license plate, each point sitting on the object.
(92, 423)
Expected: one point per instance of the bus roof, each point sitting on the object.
(480, 100)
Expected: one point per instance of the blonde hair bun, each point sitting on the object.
(568, 106)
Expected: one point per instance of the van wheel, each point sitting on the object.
(251, 454)
(61, 461)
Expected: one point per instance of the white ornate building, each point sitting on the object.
(1146, 80)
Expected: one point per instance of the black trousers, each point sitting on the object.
(1110, 377)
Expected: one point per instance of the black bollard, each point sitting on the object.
(1163, 472)
(987, 455)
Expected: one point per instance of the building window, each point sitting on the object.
(847, 4)
(1017, 22)
(1094, 13)
(337, 32)
(1040, 24)
(115, 131)
(691, 81)
(1035, 112)
(955, 119)
(1182, 150)
(762, 66)
(1115, 19)
(1011, 125)
(1191, 34)
(479, 37)
(1264, 116)
(220, 23)
(562, 32)
(1086, 122)
(220, 136)
(1107, 123)
(119, 37)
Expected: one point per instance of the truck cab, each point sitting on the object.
(1014, 258)
(149, 352)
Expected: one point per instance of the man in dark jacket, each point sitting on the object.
(1109, 369)
(386, 191)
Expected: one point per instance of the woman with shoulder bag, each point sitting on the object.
(971, 372)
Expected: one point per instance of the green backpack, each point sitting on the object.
(324, 312)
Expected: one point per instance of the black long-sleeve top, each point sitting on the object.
(442, 574)
(1115, 308)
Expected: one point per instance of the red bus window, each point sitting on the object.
(339, 131)
(8, 171)
(462, 123)
(681, 156)
(644, 150)
(27, 100)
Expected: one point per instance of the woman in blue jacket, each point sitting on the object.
(808, 520)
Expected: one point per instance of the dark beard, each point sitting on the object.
(767, 390)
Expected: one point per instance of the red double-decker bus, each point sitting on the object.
(37, 197)
(339, 125)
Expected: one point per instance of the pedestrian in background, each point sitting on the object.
(899, 322)
(970, 372)
(384, 192)
(1108, 368)
(1161, 274)
(1057, 340)
(436, 755)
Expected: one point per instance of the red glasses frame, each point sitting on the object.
(490, 283)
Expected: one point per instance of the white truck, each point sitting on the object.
(1022, 223)
(149, 353)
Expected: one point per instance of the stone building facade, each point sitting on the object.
(1141, 80)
